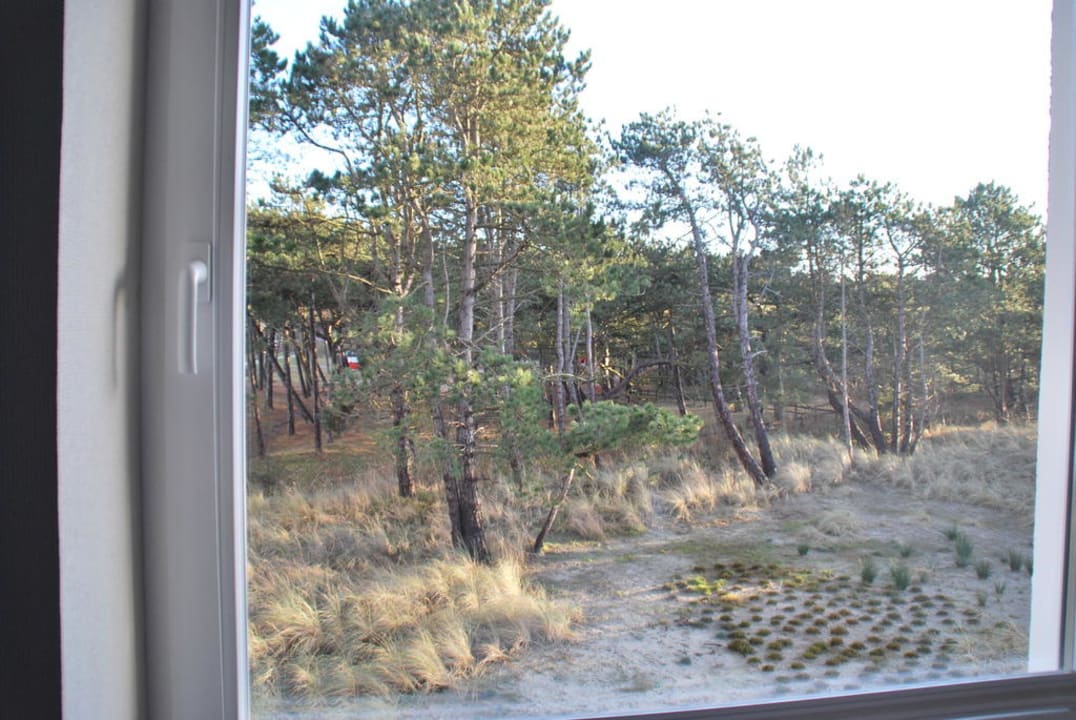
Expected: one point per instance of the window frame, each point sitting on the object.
(193, 423)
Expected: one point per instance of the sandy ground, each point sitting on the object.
(661, 610)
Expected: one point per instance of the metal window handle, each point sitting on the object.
(197, 278)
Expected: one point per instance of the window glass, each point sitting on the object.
(699, 369)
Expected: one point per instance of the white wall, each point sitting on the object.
(97, 391)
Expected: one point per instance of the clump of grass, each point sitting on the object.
(999, 589)
(803, 549)
(905, 550)
(415, 629)
(689, 489)
(741, 646)
(868, 571)
(838, 523)
(950, 465)
(901, 576)
(983, 569)
(1016, 560)
(951, 533)
(964, 549)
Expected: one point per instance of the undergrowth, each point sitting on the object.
(354, 590)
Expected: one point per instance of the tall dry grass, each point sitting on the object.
(613, 500)
(407, 629)
(688, 489)
(353, 590)
(989, 465)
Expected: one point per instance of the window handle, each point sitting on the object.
(197, 281)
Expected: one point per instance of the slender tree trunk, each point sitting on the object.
(252, 365)
(924, 401)
(571, 349)
(678, 381)
(259, 438)
(741, 272)
(271, 351)
(404, 450)
(286, 376)
(300, 363)
(592, 366)
(836, 387)
(259, 368)
(510, 314)
(721, 406)
(898, 437)
(565, 486)
(448, 472)
(873, 417)
(314, 376)
(293, 397)
(560, 405)
(846, 414)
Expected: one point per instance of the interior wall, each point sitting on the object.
(97, 384)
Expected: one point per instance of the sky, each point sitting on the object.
(933, 95)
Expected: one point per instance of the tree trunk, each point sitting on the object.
(570, 350)
(259, 438)
(923, 414)
(472, 524)
(450, 481)
(741, 275)
(470, 508)
(721, 406)
(592, 366)
(566, 485)
(678, 381)
(836, 387)
(510, 312)
(314, 376)
(846, 414)
(898, 441)
(293, 397)
(405, 447)
(271, 351)
(300, 364)
(560, 405)
(286, 375)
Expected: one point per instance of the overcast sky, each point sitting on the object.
(934, 95)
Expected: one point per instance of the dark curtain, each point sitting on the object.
(31, 58)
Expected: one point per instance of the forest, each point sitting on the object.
(505, 299)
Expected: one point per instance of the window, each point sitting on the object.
(194, 501)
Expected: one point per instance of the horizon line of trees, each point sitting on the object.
(496, 263)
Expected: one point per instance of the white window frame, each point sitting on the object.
(193, 422)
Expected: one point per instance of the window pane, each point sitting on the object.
(553, 418)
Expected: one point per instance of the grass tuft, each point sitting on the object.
(964, 549)
(901, 576)
(868, 571)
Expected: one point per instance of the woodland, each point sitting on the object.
(510, 298)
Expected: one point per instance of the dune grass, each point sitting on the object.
(353, 590)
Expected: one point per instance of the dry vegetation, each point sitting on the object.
(355, 591)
